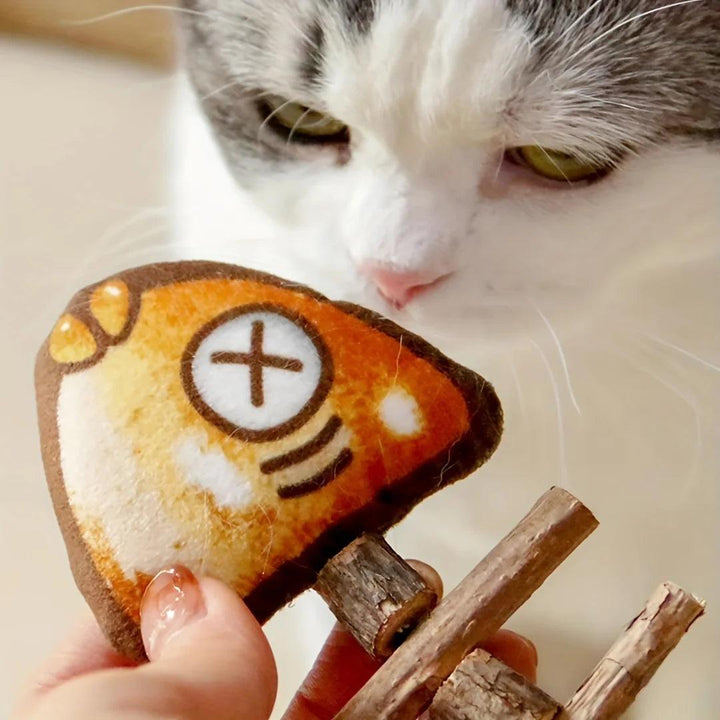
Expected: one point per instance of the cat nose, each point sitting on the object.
(396, 286)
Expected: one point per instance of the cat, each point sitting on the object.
(534, 187)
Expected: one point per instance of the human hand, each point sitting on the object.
(209, 660)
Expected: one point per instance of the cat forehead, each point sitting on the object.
(547, 72)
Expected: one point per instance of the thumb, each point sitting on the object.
(203, 641)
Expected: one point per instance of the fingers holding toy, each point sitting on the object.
(340, 670)
(86, 650)
(516, 651)
(200, 634)
(344, 666)
(209, 658)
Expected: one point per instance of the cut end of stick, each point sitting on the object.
(475, 609)
(636, 655)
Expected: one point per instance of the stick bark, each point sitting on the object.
(477, 608)
(375, 594)
(484, 687)
(636, 655)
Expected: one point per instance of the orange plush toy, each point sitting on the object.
(241, 425)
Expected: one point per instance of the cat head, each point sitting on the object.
(483, 156)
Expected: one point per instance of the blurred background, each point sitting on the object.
(82, 165)
(87, 88)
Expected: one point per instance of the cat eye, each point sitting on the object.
(302, 123)
(557, 165)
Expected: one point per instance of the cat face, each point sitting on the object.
(488, 156)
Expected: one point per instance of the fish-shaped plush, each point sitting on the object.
(244, 426)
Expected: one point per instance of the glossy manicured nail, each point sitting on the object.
(171, 602)
(514, 650)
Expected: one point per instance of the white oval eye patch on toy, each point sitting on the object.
(219, 418)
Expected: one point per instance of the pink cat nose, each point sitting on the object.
(395, 286)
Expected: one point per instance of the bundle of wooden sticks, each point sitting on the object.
(433, 663)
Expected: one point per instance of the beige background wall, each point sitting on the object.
(81, 154)
(83, 177)
(141, 34)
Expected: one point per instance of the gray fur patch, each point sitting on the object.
(624, 73)
(312, 60)
(654, 63)
(357, 14)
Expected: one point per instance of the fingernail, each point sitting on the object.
(429, 574)
(171, 602)
(530, 645)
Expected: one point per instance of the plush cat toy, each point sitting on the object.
(241, 425)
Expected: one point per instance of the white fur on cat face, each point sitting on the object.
(593, 310)
(433, 95)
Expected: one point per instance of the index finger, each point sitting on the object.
(340, 670)
(85, 650)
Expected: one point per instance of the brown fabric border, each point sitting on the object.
(390, 506)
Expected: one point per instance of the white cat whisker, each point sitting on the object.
(100, 249)
(122, 225)
(218, 91)
(689, 399)
(518, 388)
(605, 101)
(296, 124)
(131, 240)
(498, 168)
(550, 158)
(561, 354)
(245, 92)
(692, 356)
(279, 108)
(137, 8)
(626, 21)
(562, 452)
(577, 21)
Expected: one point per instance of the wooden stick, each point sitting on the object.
(483, 687)
(636, 655)
(477, 608)
(375, 593)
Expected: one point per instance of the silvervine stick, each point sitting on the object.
(474, 610)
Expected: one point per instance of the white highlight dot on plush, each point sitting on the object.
(400, 413)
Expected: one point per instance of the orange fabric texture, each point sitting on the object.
(194, 381)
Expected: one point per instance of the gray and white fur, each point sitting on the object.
(593, 307)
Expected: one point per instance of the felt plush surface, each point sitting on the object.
(241, 425)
